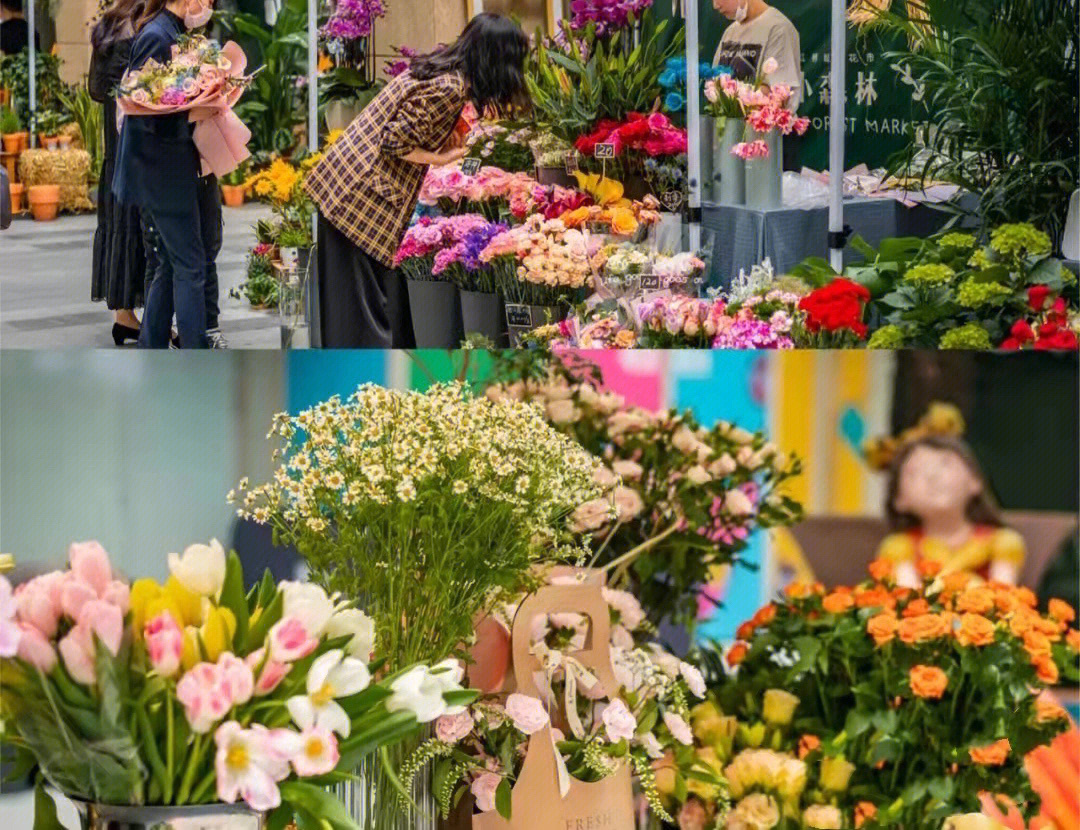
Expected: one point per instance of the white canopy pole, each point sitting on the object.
(312, 298)
(837, 124)
(31, 25)
(693, 124)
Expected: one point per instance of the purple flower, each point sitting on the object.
(353, 19)
(606, 14)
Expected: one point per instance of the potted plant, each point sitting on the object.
(44, 201)
(233, 190)
(48, 122)
(17, 189)
(261, 286)
(11, 130)
(294, 245)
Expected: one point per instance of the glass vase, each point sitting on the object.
(728, 171)
(374, 802)
(763, 176)
(709, 190)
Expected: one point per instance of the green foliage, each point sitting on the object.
(294, 236)
(273, 105)
(1001, 102)
(9, 120)
(344, 83)
(15, 76)
(260, 288)
(89, 115)
(574, 88)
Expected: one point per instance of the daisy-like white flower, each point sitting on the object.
(250, 762)
(332, 676)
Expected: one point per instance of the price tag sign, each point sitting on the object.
(519, 315)
(470, 167)
(650, 282)
(571, 163)
(604, 150)
(673, 200)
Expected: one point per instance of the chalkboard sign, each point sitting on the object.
(470, 167)
(518, 315)
(571, 163)
(604, 150)
(650, 282)
(673, 200)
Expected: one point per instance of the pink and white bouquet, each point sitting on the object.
(490, 191)
(645, 721)
(542, 262)
(200, 689)
(763, 106)
(204, 80)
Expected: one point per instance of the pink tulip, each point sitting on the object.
(119, 594)
(10, 633)
(271, 674)
(104, 620)
(90, 564)
(289, 640)
(35, 649)
(237, 677)
(77, 649)
(38, 602)
(75, 594)
(164, 644)
(204, 694)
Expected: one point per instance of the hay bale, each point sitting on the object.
(68, 168)
(74, 132)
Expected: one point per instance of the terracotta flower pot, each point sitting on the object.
(11, 142)
(63, 142)
(17, 189)
(232, 195)
(44, 201)
(51, 142)
(24, 141)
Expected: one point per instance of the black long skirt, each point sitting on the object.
(362, 303)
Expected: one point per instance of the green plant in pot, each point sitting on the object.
(89, 115)
(261, 286)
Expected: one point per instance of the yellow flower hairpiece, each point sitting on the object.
(940, 418)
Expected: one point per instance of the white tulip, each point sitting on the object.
(421, 692)
(309, 603)
(331, 676)
(200, 569)
(362, 628)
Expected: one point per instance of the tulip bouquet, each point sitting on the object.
(686, 498)
(646, 722)
(551, 202)
(489, 192)
(197, 690)
(762, 105)
(911, 702)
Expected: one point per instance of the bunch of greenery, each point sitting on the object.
(9, 121)
(15, 76)
(1001, 101)
(588, 78)
(260, 288)
(906, 703)
(273, 104)
(294, 236)
(89, 115)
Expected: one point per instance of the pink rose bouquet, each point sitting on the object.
(489, 192)
(198, 690)
(204, 80)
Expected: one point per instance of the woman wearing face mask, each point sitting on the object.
(367, 185)
(158, 171)
(757, 33)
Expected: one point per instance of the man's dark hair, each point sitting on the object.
(12, 5)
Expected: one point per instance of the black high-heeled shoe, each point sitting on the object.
(120, 333)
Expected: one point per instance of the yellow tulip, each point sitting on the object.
(143, 592)
(836, 773)
(188, 603)
(217, 632)
(7, 562)
(190, 653)
(778, 707)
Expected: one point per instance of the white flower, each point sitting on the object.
(250, 762)
(332, 676)
(200, 569)
(678, 728)
(362, 628)
(737, 503)
(626, 605)
(418, 691)
(695, 682)
(308, 603)
(318, 752)
(619, 721)
(651, 746)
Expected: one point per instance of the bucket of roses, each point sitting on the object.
(198, 702)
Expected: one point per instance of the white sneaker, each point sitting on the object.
(216, 340)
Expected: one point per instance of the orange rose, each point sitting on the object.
(1022, 621)
(975, 630)
(900, 593)
(1036, 643)
(797, 590)
(736, 654)
(1072, 639)
(1005, 598)
(876, 597)
(1061, 611)
(807, 744)
(1049, 710)
(921, 629)
(992, 755)
(1045, 668)
(928, 681)
(864, 811)
(976, 600)
(916, 608)
(1026, 596)
(956, 581)
(764, 615)
(745, 631)
(837, 602)
(1050, 628)
(881, 569)
(882, 628)
(928, 568)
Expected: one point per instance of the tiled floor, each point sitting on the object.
(45, 286)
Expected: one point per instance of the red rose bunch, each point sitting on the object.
(652, 134)
(1050, 333)
(836, 308)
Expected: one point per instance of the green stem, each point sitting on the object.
(189, 773)
(169, 738)
(627, 558)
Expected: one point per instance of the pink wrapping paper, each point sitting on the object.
(220, 136)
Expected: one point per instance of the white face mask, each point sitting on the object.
(740, 13)
(199, 18)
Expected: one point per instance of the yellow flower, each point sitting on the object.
(333, 136)
(148, 599)
(836, 773)
(325, 63)
(217, 632)
(7, 562)
(623, 221)
(779, 707)
(604, 190)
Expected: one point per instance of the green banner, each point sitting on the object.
(883, 99)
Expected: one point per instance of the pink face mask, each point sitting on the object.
(198, 18)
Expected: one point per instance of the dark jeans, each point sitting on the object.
(176, 260)
(211, 224)
(363, 304)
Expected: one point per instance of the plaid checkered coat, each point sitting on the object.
(363, 186)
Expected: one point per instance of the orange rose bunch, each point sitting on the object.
(913, 687)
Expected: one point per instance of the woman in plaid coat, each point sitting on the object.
(367, 185)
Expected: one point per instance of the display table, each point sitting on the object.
(741, 237)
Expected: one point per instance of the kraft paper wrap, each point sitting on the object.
(537, 803)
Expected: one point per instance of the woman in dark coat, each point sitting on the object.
(119, 268)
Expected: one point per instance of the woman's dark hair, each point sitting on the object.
(490, 53)
(981, 510)
(152, 9)
(117, 22)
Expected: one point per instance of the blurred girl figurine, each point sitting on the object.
(940, 507)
